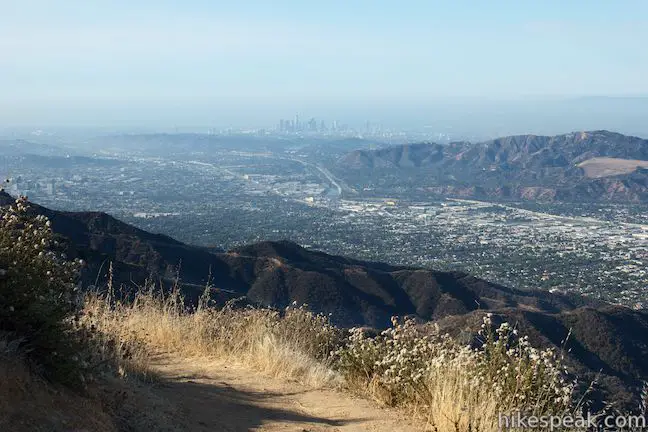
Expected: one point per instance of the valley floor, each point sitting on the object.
(213, 396)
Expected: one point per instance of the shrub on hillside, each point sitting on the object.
(309, 332)
(524, 377)
(37, 292)
(456, 386)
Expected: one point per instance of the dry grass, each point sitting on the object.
(606, 167)
(27, 403)
(108, 342)
(454, 403)
(451, 386)
(428, 374)
(455, 387)
(293, 345)
(447, 400)
(57, 371)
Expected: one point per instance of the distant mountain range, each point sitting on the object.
(580, 166)
(607, 338)
(20, 147)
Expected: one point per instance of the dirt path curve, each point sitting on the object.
(216, 397)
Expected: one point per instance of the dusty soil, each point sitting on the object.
(217, 397)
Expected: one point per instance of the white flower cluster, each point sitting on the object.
(523, 375)
(39, 291)
(407, 360)
(27, 257)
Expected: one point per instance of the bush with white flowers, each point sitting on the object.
(37, 290)
(524, 377)
(456, 385)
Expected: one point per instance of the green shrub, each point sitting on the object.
(38, 292)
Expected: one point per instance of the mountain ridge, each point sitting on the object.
(609, 338)
(513, 167)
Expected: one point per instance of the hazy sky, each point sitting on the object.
(90, 61)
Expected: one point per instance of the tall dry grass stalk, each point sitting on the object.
(293, 344)
(452, 386)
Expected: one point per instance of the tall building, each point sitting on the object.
(50, 188)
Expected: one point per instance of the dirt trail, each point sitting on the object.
(217, 397)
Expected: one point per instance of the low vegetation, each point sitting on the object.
(58, 372)
(37, 294)
(450, 385)
(292, 344)
(454, 386)
(53, 337)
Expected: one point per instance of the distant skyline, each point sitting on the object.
(152, 63)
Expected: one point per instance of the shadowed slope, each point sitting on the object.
(354, 292)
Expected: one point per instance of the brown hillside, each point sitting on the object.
(606, 167)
